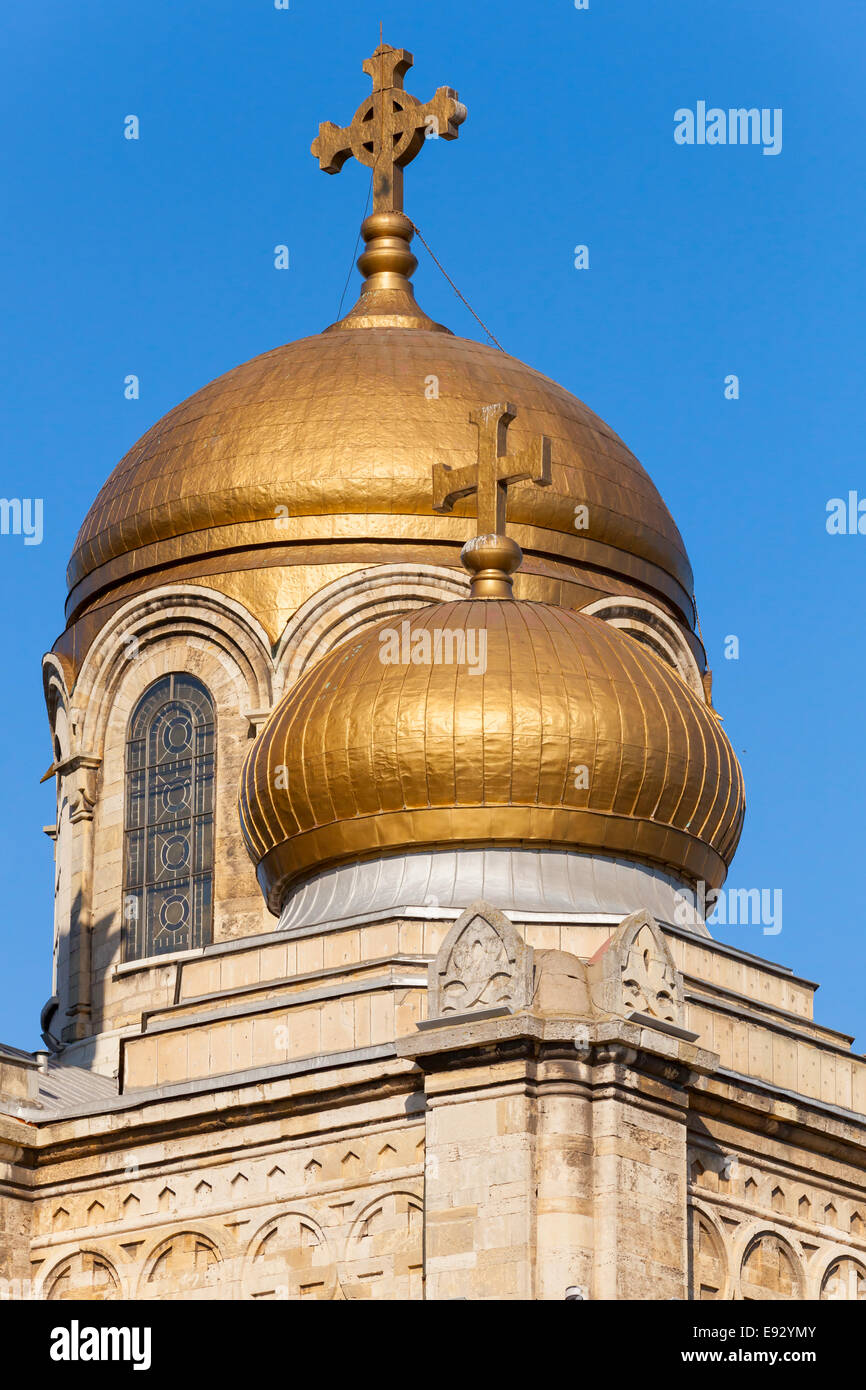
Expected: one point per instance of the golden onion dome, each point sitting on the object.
(573, 736)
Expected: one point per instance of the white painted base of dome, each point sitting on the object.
(529, 885)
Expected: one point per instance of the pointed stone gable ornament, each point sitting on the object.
(634, 973)
(483, 963)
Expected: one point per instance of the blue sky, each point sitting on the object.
(155, 257)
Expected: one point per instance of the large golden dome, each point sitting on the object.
(315, 460)
(319, 454)
(362, 758)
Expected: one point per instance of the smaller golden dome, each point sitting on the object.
(554, 730)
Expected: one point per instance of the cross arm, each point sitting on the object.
(332, 147)
(388, 67)
(450, 484)
(449, 113)
(530, 465)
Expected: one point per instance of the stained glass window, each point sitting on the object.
(168, 840)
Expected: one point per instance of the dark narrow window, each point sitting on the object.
(168, 840)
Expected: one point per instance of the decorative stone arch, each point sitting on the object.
(85, 1273)
(175, 628)
(652, 626)
(184, 1262)
(634, 972)
(483, 963)
(701, 1275)
(57, 704)
(385, 1248)
(355, 602)
(166, 619)
(749, 1240)
(849, 1279)
(290, 1257)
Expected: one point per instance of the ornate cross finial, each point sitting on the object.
(389, 128)
(493, 556)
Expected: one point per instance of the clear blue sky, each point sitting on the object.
(156, 257)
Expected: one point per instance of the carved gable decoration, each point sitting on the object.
(634, 973)
(483, 963)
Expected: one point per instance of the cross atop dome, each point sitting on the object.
(389, 128)
(492, 557)
(386, 133)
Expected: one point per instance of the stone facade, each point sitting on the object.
(431, 1104)
(291, 1124)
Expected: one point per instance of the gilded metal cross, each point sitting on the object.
(495, 470)
(389, 128)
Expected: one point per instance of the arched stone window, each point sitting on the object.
(770, 1269)
(168, 839)
(83, 1276)
(707, 1259)
(845, 1279)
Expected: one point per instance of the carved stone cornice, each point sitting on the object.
(224, 1106)
(785, 1117)
(458, 1043)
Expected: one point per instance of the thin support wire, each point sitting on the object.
(355, 252)
(455, 289)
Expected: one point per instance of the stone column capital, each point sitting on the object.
(78, 775)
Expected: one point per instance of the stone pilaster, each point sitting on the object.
(480, 1165)
(556, 1156)
(79, 774)
(16, 1166)
(639, 1170)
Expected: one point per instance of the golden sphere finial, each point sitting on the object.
(387, 299)
(387, 260)
(491, 560)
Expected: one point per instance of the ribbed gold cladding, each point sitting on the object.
(336, 436)
(362, 757)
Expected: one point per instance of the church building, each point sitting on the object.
(389, 793)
